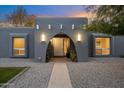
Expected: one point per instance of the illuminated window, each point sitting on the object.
(19, 46)
(102, 46)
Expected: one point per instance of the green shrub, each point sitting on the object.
(49, 52)
(73, 55)
(68, 53)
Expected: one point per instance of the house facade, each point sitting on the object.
(59, 32)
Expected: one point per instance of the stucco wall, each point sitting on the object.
(118, 46)
(37, 49)
(5, 40)
(41, 47)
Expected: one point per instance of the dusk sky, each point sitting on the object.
(48, 10)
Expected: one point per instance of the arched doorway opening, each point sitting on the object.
(61, 46)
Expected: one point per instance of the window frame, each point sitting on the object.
(94, 46)
(12, 36)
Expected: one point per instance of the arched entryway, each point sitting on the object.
(61, 47)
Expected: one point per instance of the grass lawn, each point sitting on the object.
(7, 73)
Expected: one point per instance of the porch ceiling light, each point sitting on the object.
(37, 27)
(43, 38)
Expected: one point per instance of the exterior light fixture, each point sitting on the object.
(51, 40)
(73, 26)
(61, 26)
(43, 38)
(49, 26)
(78, 37)
(37, 27)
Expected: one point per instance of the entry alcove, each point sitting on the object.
(61, 45)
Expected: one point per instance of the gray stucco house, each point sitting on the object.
(61, 34)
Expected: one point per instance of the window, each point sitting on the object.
(73, 26)
(18, 46)
(102, 46)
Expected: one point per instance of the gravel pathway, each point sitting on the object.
(35, 77)
(97, 74)
(15, 62)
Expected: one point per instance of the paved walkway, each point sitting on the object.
(60, 77)
(97, 72)
(60, 59)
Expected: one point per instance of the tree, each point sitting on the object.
(30, 21)
(109, 19)
(18, 17)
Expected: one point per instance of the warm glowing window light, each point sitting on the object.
(102, 46)
(19, 46)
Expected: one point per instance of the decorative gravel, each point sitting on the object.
(97, 74)
(15, 62)
(37, 76)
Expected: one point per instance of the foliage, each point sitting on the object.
(19, 17)
(49, 52)
(73, 55)
(30, 22)
(109, 20)
(68, 53)
(72, 52)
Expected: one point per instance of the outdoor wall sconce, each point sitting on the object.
(79, 37)
(37, 27)
(73, 26)
(61, 26)
(43, 38)
(49, 27)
